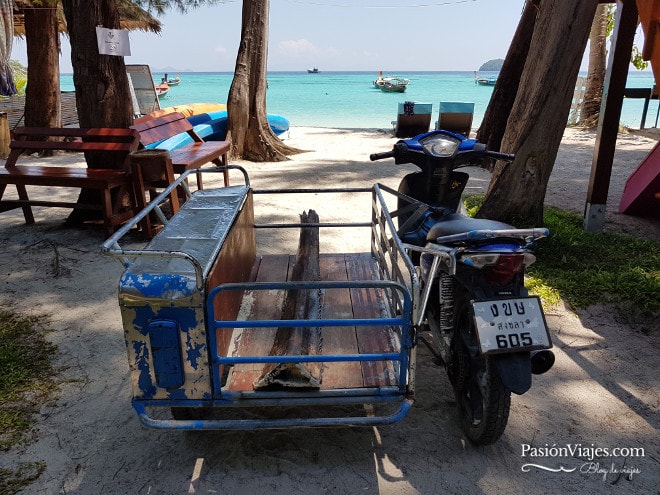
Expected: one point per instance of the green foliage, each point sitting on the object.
(636, 56)
(473, 202)
(12, 482)
(588, 268)
(637, 60)
(610, 20)
(20, 76)
(26, 382)
(585, 268)
(550, 296)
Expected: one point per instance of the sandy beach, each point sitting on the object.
(602, 391)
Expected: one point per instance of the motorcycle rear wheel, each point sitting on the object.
(482, 400)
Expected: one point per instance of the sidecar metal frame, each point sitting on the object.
(188, 303)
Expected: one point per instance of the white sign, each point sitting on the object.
(113, 41)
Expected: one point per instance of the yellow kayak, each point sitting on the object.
(190, 109)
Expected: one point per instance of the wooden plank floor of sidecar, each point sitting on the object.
(337, 303)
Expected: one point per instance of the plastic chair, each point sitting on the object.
(412, 118)
(455, 116)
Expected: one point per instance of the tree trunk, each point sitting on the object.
(42, 95)
(248, 130)
(102, 94)
(540, 112)
(597, 67)
(103, 98)
(495, 119)
(7, 85)
(299, 304)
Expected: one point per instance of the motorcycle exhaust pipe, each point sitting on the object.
(542, 360)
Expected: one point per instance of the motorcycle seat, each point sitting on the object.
(457, 224)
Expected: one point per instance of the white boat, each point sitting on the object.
(162, 89)
(173, 82)
(315, 70)
(484, 81)
(391, 84)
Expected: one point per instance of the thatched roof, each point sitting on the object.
(132, 17)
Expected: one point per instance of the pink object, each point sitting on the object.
(641, 195)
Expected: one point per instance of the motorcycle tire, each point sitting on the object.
(482, 400)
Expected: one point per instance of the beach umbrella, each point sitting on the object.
(7, 86)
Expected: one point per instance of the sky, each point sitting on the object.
(333, 35)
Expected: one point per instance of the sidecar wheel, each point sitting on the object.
(483, 401)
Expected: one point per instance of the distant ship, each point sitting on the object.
(315, 70)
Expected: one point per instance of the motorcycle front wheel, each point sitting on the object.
(483, 401)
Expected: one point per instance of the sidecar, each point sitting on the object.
(201, 307)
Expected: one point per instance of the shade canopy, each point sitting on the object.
(131, 17)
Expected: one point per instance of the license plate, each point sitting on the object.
(511, 325)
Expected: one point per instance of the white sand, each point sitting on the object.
(602, 391)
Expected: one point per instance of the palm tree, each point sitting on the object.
(597, 67)
(7, 86)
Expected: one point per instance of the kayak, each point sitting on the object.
(212, 126)
(278, 124)
(189, 109)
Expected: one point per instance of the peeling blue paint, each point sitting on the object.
(194, 352)
(143, 315)
(177, 393)
(159, 285)
(163, 354)
(142, 363)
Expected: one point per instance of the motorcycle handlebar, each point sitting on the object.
(507, 157)
(393, 153)
(380, 156)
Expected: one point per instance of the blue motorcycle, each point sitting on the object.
(481, 323)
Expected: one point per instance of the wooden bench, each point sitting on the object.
(189, 156)
(113, 184)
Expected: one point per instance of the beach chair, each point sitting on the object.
(143, 89)
(455, 116)
(412, 118)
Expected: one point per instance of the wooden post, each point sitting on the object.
(5, 138)
(150, 169)
(610, 114)
(299, 304)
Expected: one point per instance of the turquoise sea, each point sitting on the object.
(349, 99)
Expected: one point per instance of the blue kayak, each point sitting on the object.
(212, 126)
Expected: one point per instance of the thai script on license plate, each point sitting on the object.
(511, 325)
